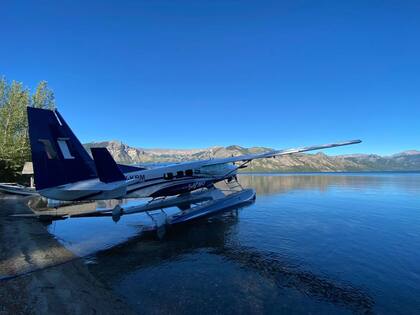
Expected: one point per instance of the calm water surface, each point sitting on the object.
(310, 244)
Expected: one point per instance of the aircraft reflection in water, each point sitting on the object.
(213, 238)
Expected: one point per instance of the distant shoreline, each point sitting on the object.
(329, 172)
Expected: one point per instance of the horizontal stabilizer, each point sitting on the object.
(108, 171)
(129, 168)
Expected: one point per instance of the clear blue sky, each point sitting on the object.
(188, 74)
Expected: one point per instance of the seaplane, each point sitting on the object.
(65, 171)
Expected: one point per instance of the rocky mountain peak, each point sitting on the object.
(318, 162)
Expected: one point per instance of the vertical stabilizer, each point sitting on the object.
(58, 156)
(108, 170)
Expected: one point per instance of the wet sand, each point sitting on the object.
(40, 276)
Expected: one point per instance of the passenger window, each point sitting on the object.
(188, 173)
(180, 174)
(168, 176)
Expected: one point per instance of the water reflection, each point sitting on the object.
(283, 183)
(54, 208)
(352, 248)
(263, 184)
(214, 237)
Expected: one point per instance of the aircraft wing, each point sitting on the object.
(274, 153)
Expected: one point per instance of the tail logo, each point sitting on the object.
(49, 150)
(62, 143)
(52, 153)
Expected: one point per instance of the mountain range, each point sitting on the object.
(318, 162)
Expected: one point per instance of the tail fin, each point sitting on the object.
(108, 170)
(58, 156)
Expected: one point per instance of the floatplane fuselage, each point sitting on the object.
(65, 171)
(170, 180)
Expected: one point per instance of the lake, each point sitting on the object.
(310, 244)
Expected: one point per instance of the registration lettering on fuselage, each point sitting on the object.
(139, 177)
(196, 185)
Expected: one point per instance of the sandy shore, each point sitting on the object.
(39, 276)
